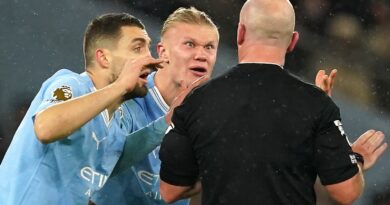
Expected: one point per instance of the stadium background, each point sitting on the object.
(41, 36)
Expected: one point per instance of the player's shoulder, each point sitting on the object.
(67, 78)
(67, 83)
(65, 74)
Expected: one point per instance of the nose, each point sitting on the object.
(201, 54)
(148, 53)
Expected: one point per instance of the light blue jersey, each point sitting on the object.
(136, 181)
(67, 171)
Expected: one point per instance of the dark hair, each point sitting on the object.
(106, 27)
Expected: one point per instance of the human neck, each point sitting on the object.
(98, 78)
(167, 89)
(261, 53)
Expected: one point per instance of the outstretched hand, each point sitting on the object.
(324, 81)
(184, 90)
(371, 146)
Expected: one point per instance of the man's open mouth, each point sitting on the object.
(199, 71)
(145, 73)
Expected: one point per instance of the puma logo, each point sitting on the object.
(94, 137)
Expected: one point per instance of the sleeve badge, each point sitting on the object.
(62, 93)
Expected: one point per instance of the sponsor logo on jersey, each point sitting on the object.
(148, 177)
(93, 177)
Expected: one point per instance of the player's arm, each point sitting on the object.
(324, 81)
(62, 119)
(171, 193)
(141, 142)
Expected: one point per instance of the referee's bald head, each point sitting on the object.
(268, 20)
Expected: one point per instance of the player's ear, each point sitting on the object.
(103, 57)
(162, 52)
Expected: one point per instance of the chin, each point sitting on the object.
(143, 93)
(140, 91)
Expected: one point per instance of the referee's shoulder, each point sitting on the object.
(205, 90)
(307, 88)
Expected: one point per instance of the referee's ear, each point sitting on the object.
(241, 31)
(294, 41)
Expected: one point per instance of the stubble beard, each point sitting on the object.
(138, 91)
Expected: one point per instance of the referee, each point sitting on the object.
(257, 134)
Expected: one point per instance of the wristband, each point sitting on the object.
(359, 158)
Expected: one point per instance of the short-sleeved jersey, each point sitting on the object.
(66, 171)
(139, 183)
(256, 135)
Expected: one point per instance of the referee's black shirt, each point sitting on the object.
(257, 135)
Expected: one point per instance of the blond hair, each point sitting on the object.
(187, 15)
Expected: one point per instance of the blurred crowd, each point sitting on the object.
(352, 36)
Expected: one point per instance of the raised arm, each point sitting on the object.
(62, 119)
(324, 81)
(141, 142)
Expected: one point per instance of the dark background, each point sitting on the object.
(39, 37)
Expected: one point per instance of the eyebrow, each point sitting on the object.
(142, 40)
(192, 39)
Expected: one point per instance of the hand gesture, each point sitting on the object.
(371, 146)
(325, 82)
(184, 90)
(134, 70)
